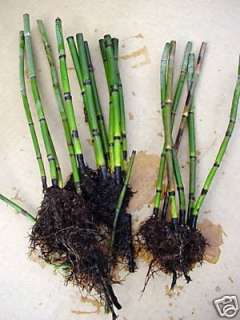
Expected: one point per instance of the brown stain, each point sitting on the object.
(160, 134)
(17, 197)
(213, 234)
(130, 116)
(92, 301)
(172, 293)
(35, 258)
(207, 211)
(143, 180)
(139, 36)
(136, 53)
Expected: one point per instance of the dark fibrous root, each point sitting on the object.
(102, 195)
(173, 251)
(65, 233)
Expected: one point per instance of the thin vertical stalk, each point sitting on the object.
(115, 100)
(90, 107)
(220, 154)
(111, 119)
(181, 80)
(68, 97)
(115, 43)
(167, 123)
(190, 95)
(18, 208)
(38, 103)
(191, 141)
(162, 165)
(28, 111)
(121, 197)
(100, 117)
(60, 103)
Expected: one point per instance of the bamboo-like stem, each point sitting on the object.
(28, 111)
(100, 117)
(190, 95)
(187, 105)
(176, 100)
(17, 207)
(115, 43)
(68, 97)
(60, 103)
(121, 197)
(58, 168)
(162, 165)
(181, 80)
(191, 141)
(115, 101)
(38, 102)
(110, 120)
(220, 154)
(167, 124)
(90, 107)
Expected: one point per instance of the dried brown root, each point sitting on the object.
(65, 232)
(174, 251)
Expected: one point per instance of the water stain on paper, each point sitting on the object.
(130, 116)
(143, 180)
(172, 293)
(17, 196)
(93, 302)
(213, 233)
(35, 258)
(136, 53)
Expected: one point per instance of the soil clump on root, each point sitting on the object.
(173, 251)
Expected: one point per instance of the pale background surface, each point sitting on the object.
(28, 291)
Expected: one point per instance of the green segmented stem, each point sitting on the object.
(100, 117)
(176, 99)
(115, 100)
(18, 208)
(104, 59)
(181, 80)
(60, 103)
(187, 105)
(115, 43)
(121, 197)
(38, 103)
(191, 141)
(167, 124)
(190, 95)
(90, 106)
(68, 97)
(28, 111)
(110, 120)
(59, 172)
(162, 165)
(221, 152)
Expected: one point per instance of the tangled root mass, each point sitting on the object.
(75, 231)
(173, 251)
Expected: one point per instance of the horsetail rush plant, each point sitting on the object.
(173, 241)
(82, 226)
